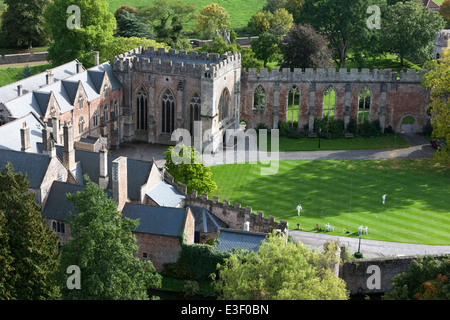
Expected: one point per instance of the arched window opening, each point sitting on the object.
(168, 112)
(142, 110)
(259, 98)
(95, 119)
(194, 109)
(81, 125)
(293, 106)
(329, 102)
(224, 104)
(364, 105)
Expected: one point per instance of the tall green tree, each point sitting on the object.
(425, 279)
(31, 255)
(168, 18)
(71, 41)
(280, 270)
(409, 29)
(212, 17)
(304, 48)
(437, 80)
(185, 165)
(128, 25)
(23, 22)
(343, 23)
(102, 246)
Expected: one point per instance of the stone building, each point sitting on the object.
(441, 43)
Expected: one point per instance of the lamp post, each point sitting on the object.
(359, 245)
(320, 131)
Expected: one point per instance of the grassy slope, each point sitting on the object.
(12, 74)
(347, 194)
(239, 11)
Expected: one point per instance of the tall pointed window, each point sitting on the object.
(293, 106)
(194, 111)
(81, 125)
(364, 105)
(95, 119)
(329, 102)
(224, 104)
(168, 112)
(259, 98)
(142, 110)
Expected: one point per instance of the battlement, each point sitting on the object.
(235, 215)
(170, 61)
(442, 39)
(332, 75)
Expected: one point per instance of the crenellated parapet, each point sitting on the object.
(333, 76)
(235, 215)
(170, 61)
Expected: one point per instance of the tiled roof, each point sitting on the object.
(138, 171)
(32, 164)
(205, 221)
(235, 239)
(156, 220)
(165, 195)
(57, 207)
(10, 133)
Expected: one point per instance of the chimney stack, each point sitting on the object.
(79, 67)
(49, 76)
(120, 182)
(103, 179)
(69, 151)
(52, 149)
(19, 90)
(25, 138)
(96, 58)
(45, 139)
(55, 127)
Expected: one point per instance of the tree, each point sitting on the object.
(31, 255)
(118, 45)
(425, 279)
(304, 48)
(280, 270)
(102, 246)
(212, 17)
(444, 11)
(167, 18)
(130, 26)
(70, 41)
(270, 29)
(437, 80)
(266, 48)
(186, 167)
(409, 29)
(341, 22)
(22, 23)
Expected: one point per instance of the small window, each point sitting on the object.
(80, 103)
(63, 228)
(144, 255)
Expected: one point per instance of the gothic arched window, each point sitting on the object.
(168, 112)
(81, 125)
(194, 110)
(293, 106)
(329, 102)
(142, 110)
(259, 98)
(224, 104)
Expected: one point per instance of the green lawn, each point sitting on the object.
(390, 141)
(347, 194)
(12, 74)
(239, 11)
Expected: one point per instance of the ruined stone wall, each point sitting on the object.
(393, 95)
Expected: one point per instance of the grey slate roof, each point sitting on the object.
(165, 195)
(156, 220)
(32, 164)
(137, 170)
(64, 90)
(10, 133)
(234, 239)
(205, 221)
(57, 207)
(29, 84)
